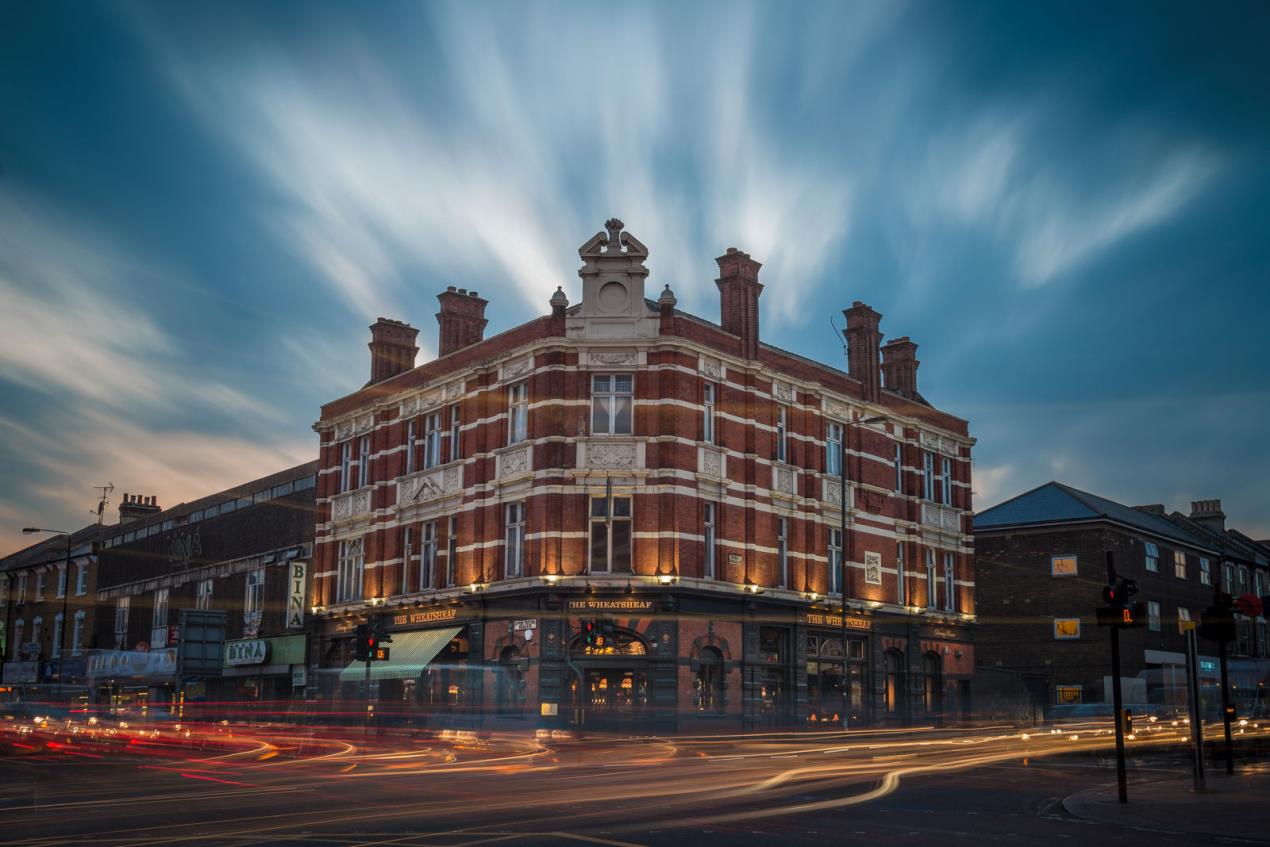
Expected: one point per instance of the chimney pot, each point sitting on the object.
(864, 339)
(461, 319)
(392, 349)
(739, 290)
(899, 366)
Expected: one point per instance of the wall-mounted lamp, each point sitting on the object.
(551, 578)
(475, 588)
(667, 578)
(752, 587)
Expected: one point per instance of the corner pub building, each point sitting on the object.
(622, 516)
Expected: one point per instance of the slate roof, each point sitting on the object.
(1055, 502)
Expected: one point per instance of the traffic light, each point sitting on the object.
(1117, 610)
(1126, 722)
(590, 634)
(379, 628)
(1218, 621)
(360, 652)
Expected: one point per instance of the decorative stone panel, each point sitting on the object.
(604, 454)
(350, 505)
(710, 368)
(783, 480)
(711, 462)
(944, 518)
(516, 369)
(940, 444)
(515, 462)
(422, 486)
(783, 392)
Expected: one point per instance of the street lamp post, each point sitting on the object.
(66, 593)
(843, 547)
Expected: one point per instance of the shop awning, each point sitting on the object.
(408, 654)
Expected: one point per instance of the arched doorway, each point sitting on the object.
(933, 684)
(614, 680)
(509, 695)
(896, 685)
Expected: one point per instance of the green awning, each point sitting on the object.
(408, 654)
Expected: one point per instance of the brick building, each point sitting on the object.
(232, 560)
(1041, 566)
(48, 615)
(671, 481)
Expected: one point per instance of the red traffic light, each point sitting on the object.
(1111, 596)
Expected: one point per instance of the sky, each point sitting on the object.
(203, 207)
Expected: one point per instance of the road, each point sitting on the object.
(257, 785)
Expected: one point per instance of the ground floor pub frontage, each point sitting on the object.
(661, 659)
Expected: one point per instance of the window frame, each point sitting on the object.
(432, 440)
(254, 601)
(77, 632)
(428, 556)
(63, 579)
(350, 583)
(1179, 564)
(833, 448)
(455, 435)
(928, 476)
(1059, 636)
(782, 434)
(58, 632)
(1151, 554)
(451, 551)
(1063, 557)
(613, 395)
(346, 465)
(901, 592)
(518, 412)
(204, 592)
(709, 538)
(411, 438)
(1153, 616)
(709, 393)
(782, 551)
(833, 552)
(932, 579)
(950, 581)
(514, 540)
(608, 521)
(945, 478)
(123, 611)
(899, 468)
(1205, 571)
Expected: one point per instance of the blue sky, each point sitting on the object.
(203, 207)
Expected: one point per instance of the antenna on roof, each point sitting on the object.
(839, 335)
(102, 500)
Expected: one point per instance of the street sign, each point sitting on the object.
(522, 625)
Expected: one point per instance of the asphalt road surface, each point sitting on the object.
(258, 785)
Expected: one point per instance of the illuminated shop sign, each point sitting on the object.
(624, 605)
(821, 619)
(295, 602)
(427, 616)
(253, 652)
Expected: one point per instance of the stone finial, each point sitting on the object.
(667, 297)
(559, 299)
(614, 227)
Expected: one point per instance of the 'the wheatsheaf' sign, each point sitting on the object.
(623, 605)
(821, 619)
(295, 603)
(425, 617)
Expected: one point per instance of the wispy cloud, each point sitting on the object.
(1053, 211)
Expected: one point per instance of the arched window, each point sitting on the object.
(896, 687)
(933, 683)
(708, 685)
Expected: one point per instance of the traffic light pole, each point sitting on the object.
(1225, 708)
(1192, 696)
(1118, 704)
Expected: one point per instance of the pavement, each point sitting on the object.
(1230, 807)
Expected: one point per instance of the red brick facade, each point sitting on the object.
(680, 369)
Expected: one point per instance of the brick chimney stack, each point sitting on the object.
(134, 506)
(864, 340)
(899, 366)
(462, 319)
(1208, 513)
(392, 349)
(739, 290)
